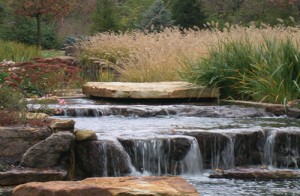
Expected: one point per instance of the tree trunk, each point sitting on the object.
(38, 32)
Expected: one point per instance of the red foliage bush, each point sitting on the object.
(42, 76)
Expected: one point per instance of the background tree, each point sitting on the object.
(105, 16)
(131, 13)
(156, 17)
(42, 9)
(188, 13)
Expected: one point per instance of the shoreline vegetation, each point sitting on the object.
(247, 63)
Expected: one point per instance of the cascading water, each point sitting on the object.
(217, 138)
(269, 149)
(192, 164)
(157, 156)
(222, 157)
(228, 153)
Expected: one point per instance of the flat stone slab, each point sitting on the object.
(148, 90)
(25, 175)
(258, 174)
(155, 186)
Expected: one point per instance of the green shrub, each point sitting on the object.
(276, 76)
(3, 75)
(267, 71)
(13, 106)
(12, 100)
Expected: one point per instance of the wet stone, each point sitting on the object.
(257, 174)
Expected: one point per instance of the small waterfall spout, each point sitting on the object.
(192, 164)
(105, 157)
(113, 158)
(269, 149)
(282, 149)
(222, 153)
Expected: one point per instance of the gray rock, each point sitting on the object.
(49, 153)
(16, 140)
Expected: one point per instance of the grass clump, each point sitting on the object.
(267, 71)
(139, 56)
(152, 57)
(17, 52)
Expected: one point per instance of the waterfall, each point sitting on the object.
(151, 156)
(228, 153)
(112, 156)
(161, 157)
(193, 163)
(292, 153)
(281, 150)
(223, 157)
(269, 149)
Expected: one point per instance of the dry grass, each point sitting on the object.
(141, 57)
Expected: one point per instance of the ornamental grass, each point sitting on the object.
(230, 58)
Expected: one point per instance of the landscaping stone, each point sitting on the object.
(81, 135)
(150, 90)
(24, 175)
(16, 140)
(154, 186)
(62, 125)
(50, 152)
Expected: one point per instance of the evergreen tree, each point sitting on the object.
(105, 16)
(131, 13)
(156, 17)
(188, 13)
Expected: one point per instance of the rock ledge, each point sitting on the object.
(154, 186)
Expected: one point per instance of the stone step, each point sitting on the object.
(148, 90)
(24, 175)
(168, 186)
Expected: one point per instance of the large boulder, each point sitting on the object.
(50, 152)
(105, 157)
(16, 140)
(154, 186)
(150, 90)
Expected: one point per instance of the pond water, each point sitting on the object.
(225, 187)
(142, 121)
